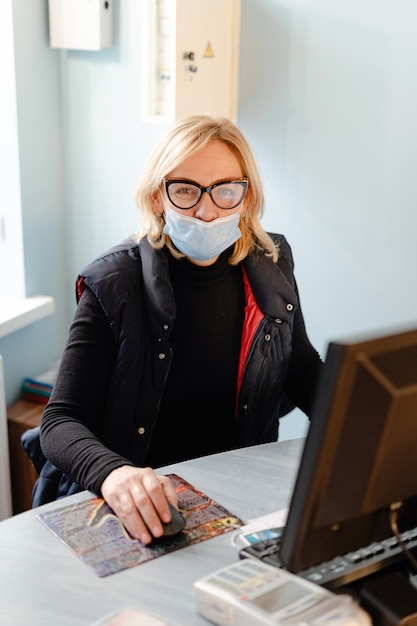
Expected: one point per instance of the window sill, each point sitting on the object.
(16, 313)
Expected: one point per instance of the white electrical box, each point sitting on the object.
(191, 58)
(81, 24)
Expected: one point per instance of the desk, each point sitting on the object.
(44, 584)
(21, 416)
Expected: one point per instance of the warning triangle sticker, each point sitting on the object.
(208, 52)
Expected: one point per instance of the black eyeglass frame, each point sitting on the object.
(243, 182)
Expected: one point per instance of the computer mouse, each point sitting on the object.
(176, 525)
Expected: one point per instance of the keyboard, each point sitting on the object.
(344, 569)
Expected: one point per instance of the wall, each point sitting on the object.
(337, 140)
(327, 98)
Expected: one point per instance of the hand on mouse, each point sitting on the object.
(139, 497)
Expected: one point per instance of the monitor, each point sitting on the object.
(360, 455)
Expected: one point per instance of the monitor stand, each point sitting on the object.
(390, 599)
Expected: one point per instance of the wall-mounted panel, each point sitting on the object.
(191, 58)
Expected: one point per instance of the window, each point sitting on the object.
(11, 240)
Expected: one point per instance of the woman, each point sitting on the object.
(186, 337)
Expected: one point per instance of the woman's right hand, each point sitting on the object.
(139, 497)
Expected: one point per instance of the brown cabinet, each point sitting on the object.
(21, 416)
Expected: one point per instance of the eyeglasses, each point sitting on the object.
(184, 194)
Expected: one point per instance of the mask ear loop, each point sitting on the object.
(246, 202)
(157, 200)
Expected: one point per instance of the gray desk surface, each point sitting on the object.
(42, 583)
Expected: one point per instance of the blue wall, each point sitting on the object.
(327, 99)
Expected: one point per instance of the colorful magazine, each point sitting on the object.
(94, 533)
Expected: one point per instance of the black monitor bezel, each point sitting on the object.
(304, 542)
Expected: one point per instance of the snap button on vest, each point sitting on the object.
(141, 430)
(162, 356)
(289, 307)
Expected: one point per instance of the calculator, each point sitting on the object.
(253, 593)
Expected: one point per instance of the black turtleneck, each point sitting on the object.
(197, 413)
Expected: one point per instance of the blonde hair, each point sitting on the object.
(185, 138)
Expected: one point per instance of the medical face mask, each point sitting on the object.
(201, 240)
